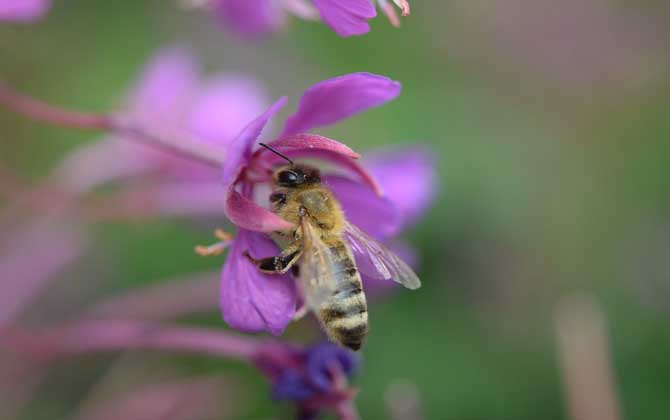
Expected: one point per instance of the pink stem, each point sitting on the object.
(91, 336)
(41, 111)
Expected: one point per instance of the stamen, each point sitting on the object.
(403, 5)
(390, 13)
(223, 236)
(217, 248)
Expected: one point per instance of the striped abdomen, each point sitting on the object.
(344, 315)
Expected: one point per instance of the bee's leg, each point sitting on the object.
(217, 248)
(295, 270)
(279, 264)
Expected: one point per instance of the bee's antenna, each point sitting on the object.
(277, 153)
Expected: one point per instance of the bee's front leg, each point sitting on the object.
(279, 264)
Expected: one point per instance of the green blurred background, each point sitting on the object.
(550, 121)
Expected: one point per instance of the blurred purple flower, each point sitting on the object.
(253, 18)
(23, 10)
(31, 258)
(249, 17)
(408, 177)
(169, 97)
(252, 301)
(315, 378)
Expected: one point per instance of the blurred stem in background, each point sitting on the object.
(585, 360)
(43, 112)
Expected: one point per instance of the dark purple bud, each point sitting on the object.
(292, 385)
(323, 358)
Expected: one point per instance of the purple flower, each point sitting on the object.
(249, 17)
(315, 378)
(250, 300)
(246, 170)
(408, 177)
(23, 10)
(347, 18)
(169, 97)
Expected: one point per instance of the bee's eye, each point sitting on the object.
(287, 178)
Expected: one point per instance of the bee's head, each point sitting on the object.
(292, 176)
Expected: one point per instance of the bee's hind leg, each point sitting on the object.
(279, 264)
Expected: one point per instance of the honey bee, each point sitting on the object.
(319, 251)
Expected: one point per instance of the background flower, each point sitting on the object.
(254, 18)
(23, 10)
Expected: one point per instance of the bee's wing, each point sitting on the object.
(318, 278)
(387, 263)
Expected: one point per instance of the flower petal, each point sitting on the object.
(248, 215)
(335, 99)
(408, 178)
(106, 160)
(163, 92)
(249, 18)
(23, 10)
(250, 300)
(184, 198)
(312, 141)
(346, 17)
(224, 106)
(319, 147)
(291, 385)
(376, 215)
(240, 149)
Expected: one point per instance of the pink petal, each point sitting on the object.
(250, 18)
(246, 214)
(376, 215)
(240, 149)
(239, 209)
(106, 160)
(224, 106)
(250, 300)
(342, 97)
(23, 10)
(408, 178)
(309, 142)
(346, 17)
(185, 198)
(162, 94)
(319, 147)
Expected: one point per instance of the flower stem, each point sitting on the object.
(124, 127)
(115, 335)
